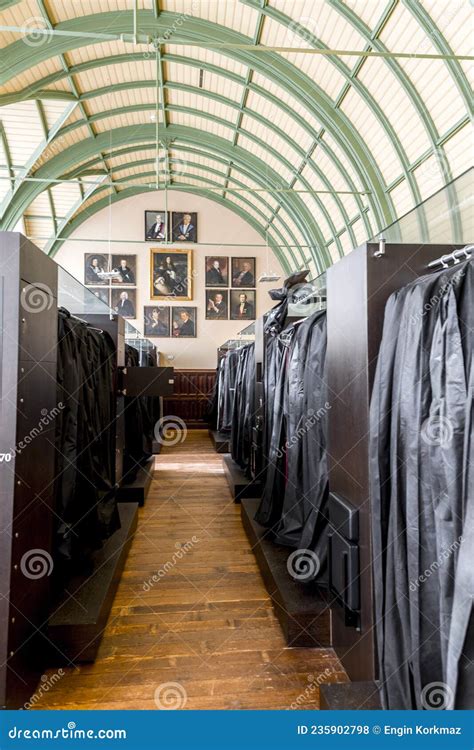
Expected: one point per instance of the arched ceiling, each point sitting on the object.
(319, 121)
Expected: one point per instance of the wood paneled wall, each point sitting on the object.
(192, 394)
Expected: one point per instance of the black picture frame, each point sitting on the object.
(217, 270)
(244, 273)
(128, 274)
(126, 311)
(151, 220)
(177, 322)
(157, 324)
(235, 301)
(191, 234)
(217, 309)
(96, 260)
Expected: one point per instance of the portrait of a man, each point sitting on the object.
(217, 271)
(156, 321)
(242, 305)
(94, 266)
(171, 274)
(125, 267)
(101, 294)
(124, 302)
(217, 304)
(243, 272)
(184, 322)
(157, 225)
(184, 226)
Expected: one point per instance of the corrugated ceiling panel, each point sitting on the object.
(321, 71)
(379, 146)
(281, 94)
(460, 149)
(431, 77)
(64, 197)
(334, 251)
(245, 207)
(23, 130)
(40, 206)
(114, 100)
(96, 196)
(203, 104)
(108, 124)
(220, 59)
(369, 12)
(327, 200)
(318, 215)
(251, 125)
(201, 123)
(230, 15)
(187, 74)
(26, 14)
(321, 21)
(222, 85)
(278, 117)
(54, 110)
(396, 106)
(108, 75)
(99, 50)
(335, 179)
(346, 242)
(262, 154)
(359, 230)
(31, 75)
(429, 176)
(116, 161)
(341, 157)
(73, 8)
(198, 161)
(402, 198)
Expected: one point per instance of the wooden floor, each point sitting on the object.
(207, 625)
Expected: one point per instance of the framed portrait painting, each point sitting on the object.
(124, 302)
(217, 270)
(217, 304)
(243, 272)
(124, 268)
(102, 293)
(184, 226)
(171, 274)
(96, 265)
(156, 321)
(183, 322)
(157, 226)
(242, 304)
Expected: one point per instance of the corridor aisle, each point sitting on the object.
(191, 609)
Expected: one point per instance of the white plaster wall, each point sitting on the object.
(217, 227)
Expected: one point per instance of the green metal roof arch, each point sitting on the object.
(273, 66)
(59, 164)
(250, 113)
(83, 169)
(129, 192)
(38, 87)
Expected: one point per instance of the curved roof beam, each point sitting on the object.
(208, 34)
(413, 94)
(353, 81)
(60, 164)
(139, 175)
(111, 153)
(250, 113)
(37, 89)
(71, 227)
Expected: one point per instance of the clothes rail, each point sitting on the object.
(457, 256)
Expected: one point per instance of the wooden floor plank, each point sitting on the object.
(205, 621)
